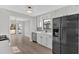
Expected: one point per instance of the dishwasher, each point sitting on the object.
(34, 37)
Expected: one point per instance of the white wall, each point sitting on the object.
(4, 23)
(5, 20)
(27, 28)
(30, 26)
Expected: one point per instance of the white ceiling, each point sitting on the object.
(37, 9)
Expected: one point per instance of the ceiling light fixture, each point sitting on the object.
(29, 10)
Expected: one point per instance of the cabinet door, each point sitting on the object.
(38, 38)
(49, 41)
(44, 40)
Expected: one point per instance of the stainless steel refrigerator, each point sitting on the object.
(65, 34)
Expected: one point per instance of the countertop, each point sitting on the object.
(43, 32)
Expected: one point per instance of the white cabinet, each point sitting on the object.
(45, 39)
(49, 41)
(39, 38)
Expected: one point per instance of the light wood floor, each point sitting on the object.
(27, 47)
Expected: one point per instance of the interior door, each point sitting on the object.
(69, 35)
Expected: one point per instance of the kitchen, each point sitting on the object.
(41, 31)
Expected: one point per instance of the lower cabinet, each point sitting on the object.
(45, 40)
(49, 41)
(39, 38)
